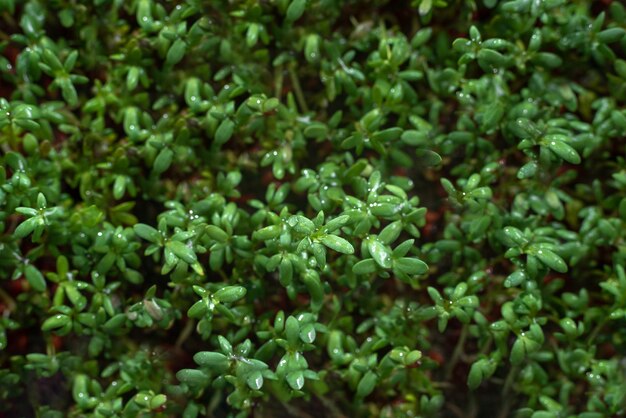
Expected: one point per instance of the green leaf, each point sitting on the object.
(301, 224)
(380, 253)
(338, 244)
(255, 380)
(35, 278)
(295, 380)
(564, 151)
(292, 330)
(158, 401)
(366, 384)
(610, 35)
(390, 233)
(428, 157)
(115, 323)
(267, 233)
(211, 359)
(366, 266)
(307, 333)
(480, 370)
(119, 187)
(387, 134)
(295, 10)
(411, 265)
(316, 130)
(217, 233)
(515, 279)
(252, 35)
(285, 272)
(26, 227)
(55, 322)
(435, 295)
(518, 352)
(224, 131)
(163, 160)
(421, 37)
(425, 7)
(448, 186)
(315, 289)
(198, 309)
(569, 326)
(183, 252)
(147, 232)
(547, 59)
(230, 294)
(488, 59)
(41, 201)
(551, 260)
(481, 193)
(176, 52)
(414, 137)
(528, 170)
(192, 377)
(515, 235)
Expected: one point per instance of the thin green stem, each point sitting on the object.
(10, 23)
(185, 333)
(295, 84)
(455, 410)
(456, 354)
(508, 383)
(296, 412)
(332, 407)
(473, 406)
(8, 300)
(278, 81)
(597, 329)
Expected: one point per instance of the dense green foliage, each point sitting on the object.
(329, 208)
